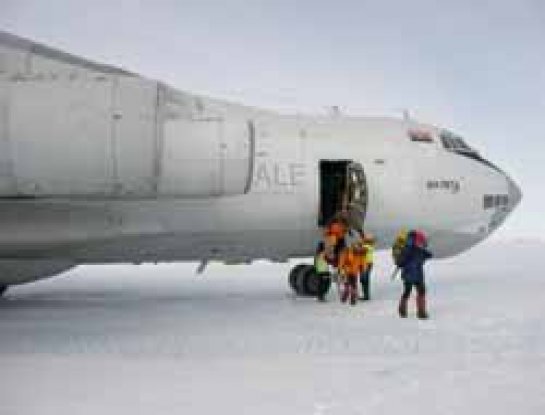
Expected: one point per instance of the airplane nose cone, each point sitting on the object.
(515, 195)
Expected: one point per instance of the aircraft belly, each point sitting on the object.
(152, 230)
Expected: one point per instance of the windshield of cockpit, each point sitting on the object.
(453, 142)
(456, 144)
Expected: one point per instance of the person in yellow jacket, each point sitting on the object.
(365, 276)
(351, 265)
(399, 244)
(321, 268)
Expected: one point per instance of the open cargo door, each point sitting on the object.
(343, 188)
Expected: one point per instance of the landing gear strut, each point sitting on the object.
(304, 281)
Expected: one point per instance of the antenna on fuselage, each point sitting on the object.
(334, 111)
(405, 113)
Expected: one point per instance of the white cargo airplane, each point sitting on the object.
(100, 165)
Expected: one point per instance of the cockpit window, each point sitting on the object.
(456, 144)
(453, 142)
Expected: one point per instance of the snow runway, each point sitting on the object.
(158, 339)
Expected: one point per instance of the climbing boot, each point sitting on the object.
(402, 309)
(344, 295)
(421, 312)
(365, 291)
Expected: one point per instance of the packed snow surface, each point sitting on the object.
(162, 340)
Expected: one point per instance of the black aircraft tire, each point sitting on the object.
(307, 282)
(301, 280)
(3, 289)
(312, 283)
(294, 274)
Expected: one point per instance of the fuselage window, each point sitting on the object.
(421, 136)
(492, 201)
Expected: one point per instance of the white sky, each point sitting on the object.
(477, 67)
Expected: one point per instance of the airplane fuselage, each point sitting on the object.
(99, 165)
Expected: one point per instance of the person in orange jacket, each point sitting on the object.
(334, 235)
(351, 265)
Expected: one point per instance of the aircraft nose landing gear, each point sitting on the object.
(304, 280)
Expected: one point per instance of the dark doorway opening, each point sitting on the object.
(333, 185)
(343, 188)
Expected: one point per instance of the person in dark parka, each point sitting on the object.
(411, 261)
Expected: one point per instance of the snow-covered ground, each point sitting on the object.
(161, 340)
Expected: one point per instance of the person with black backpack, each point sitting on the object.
(411, 260)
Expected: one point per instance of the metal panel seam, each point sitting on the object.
(158, 140)
(115, 185)
(251, 155)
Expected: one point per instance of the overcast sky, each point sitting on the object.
(477, 67)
